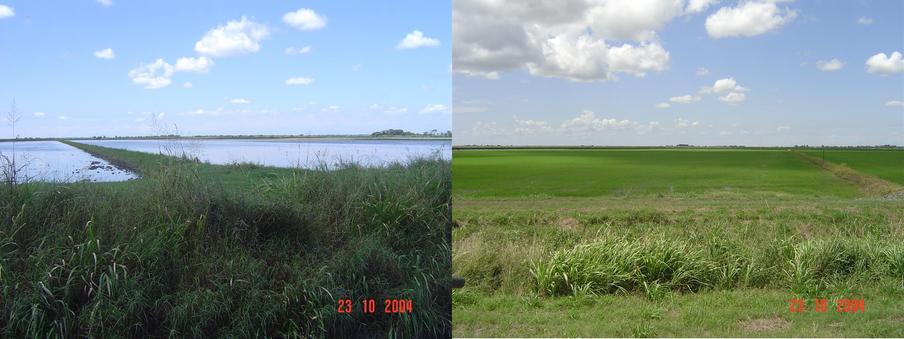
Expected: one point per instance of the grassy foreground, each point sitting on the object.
(641, 259)
(193, 249)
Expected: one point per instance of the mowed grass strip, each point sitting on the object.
(885, 164)
(638, 172)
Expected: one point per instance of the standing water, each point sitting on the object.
(56, 161)
(294, 153)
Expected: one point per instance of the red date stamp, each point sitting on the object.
(821, 305)
(369, 306)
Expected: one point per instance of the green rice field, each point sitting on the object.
(885, 164)
(673, 242)
(620, 172)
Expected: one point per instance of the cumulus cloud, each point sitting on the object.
(297, 51)
(684, 123)
(6, 12)
(232, 39)
(575, 40)
(187, 85)
(831, 65)
(685, 99)
(105, 2)
(199, 64)
(722, 86)
(152, 76)
(531, 127)
(416, 39)
(106, 53)
(434, 108)
(299, 81)
(663, 105)
(305, 19)
(865, 20)
(884, 64)
(894, 103)
(695, 6)
(240, 101)
(733, 98)
(588, 122)
(750, 18)
(63, 117)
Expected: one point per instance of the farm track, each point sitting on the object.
(868, 184)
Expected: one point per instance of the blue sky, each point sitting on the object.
(358, 66)
(702, 72)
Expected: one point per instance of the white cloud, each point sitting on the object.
(733, 98)
(684, 123)
(234, 38)
(206, 112)
(722, 86)
(702, 71)
(663, 105)
(638, 60)
(300, 81)
(890, 103)
(152, 76)
(6, 12)
(883, 64)
(297, 51)
(199, 64)
(685, 99)
(479, 74)
(782, 128)
(434, 108)
(865, 20)
(63, 117)
(331, 109)
(106, 53)
(575, 40)
(240, 101)
(831, 65)
(187, 85)
(105, 2)
(416, 39)
(588, 122)
(531, 127)
(39, 114)
(751, 18)
(305, 19)
(696, 6)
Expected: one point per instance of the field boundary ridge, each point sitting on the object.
(870, 185)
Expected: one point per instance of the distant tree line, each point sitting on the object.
(392, 132)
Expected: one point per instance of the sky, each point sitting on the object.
(701, 72)
(118, 67)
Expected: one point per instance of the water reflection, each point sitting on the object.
(301, 153)
(56, 161)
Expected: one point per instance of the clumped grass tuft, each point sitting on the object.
(198, 250)
(655, 266)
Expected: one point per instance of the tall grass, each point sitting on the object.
(184, 252)
(650, 265)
